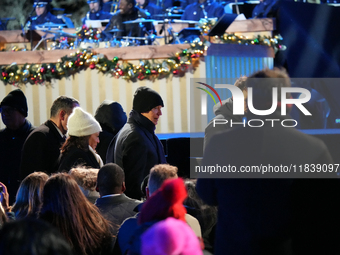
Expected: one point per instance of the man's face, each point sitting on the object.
(154, 114)
(64, 121)
(94, 7)
(40, 9)
(11, 117)
(124, 7)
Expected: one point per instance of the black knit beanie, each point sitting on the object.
(145, 99)
(17, 100)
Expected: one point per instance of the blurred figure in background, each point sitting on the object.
(14, 111)
(32, 237)
(43, 14)
(96, 12)
(203, 9)
(168, 237)
(29, 197)
(112, 118)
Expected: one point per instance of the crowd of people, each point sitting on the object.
(135, 203)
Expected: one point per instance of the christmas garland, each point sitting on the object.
(177, 65)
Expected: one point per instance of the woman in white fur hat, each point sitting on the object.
(79, 147)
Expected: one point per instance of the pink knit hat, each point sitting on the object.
(170, 237)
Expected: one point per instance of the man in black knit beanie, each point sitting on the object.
(136, 148)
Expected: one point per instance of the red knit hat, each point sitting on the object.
(166, 202)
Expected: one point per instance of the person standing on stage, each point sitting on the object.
(96, 12)
(151, 8)
(128, 11)
(203, 9)
(136, 148)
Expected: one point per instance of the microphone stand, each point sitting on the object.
(163, 26)
(29, 18)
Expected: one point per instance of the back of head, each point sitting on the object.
(166, 202)
(85, 177)
(262, 84)
(32, 237)
(110, 179)
(145, 99)
(17, 100)
(66, 207)
(170, 237)
(110, 116)
(241, 83)
(160, 173)
(29, 195)
(63, 103)
(82, 123)
(62, 196)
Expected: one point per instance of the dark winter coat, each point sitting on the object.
(136, 149)
(41, 150)
(255, 215)
(77, 157)
(11, 143)
(116, 209)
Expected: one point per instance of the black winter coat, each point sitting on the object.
(11, 143)
(77, 157)
(41, 150)
(136, 149)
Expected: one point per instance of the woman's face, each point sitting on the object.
(94, 140)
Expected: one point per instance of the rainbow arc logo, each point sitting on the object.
(209, 93)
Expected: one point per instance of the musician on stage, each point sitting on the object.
(128, 11)
(96, 12)
(151, 8)
(110, 6)
(43, 15)
(203, 9)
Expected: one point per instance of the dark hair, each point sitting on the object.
(81, 142)
(110, 179)
(63, 103)
(32, 237)
(79, 221)
(241, 83)
(29, 196)
(262, 84)
(133, 2)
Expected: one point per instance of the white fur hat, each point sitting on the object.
(81, 123)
